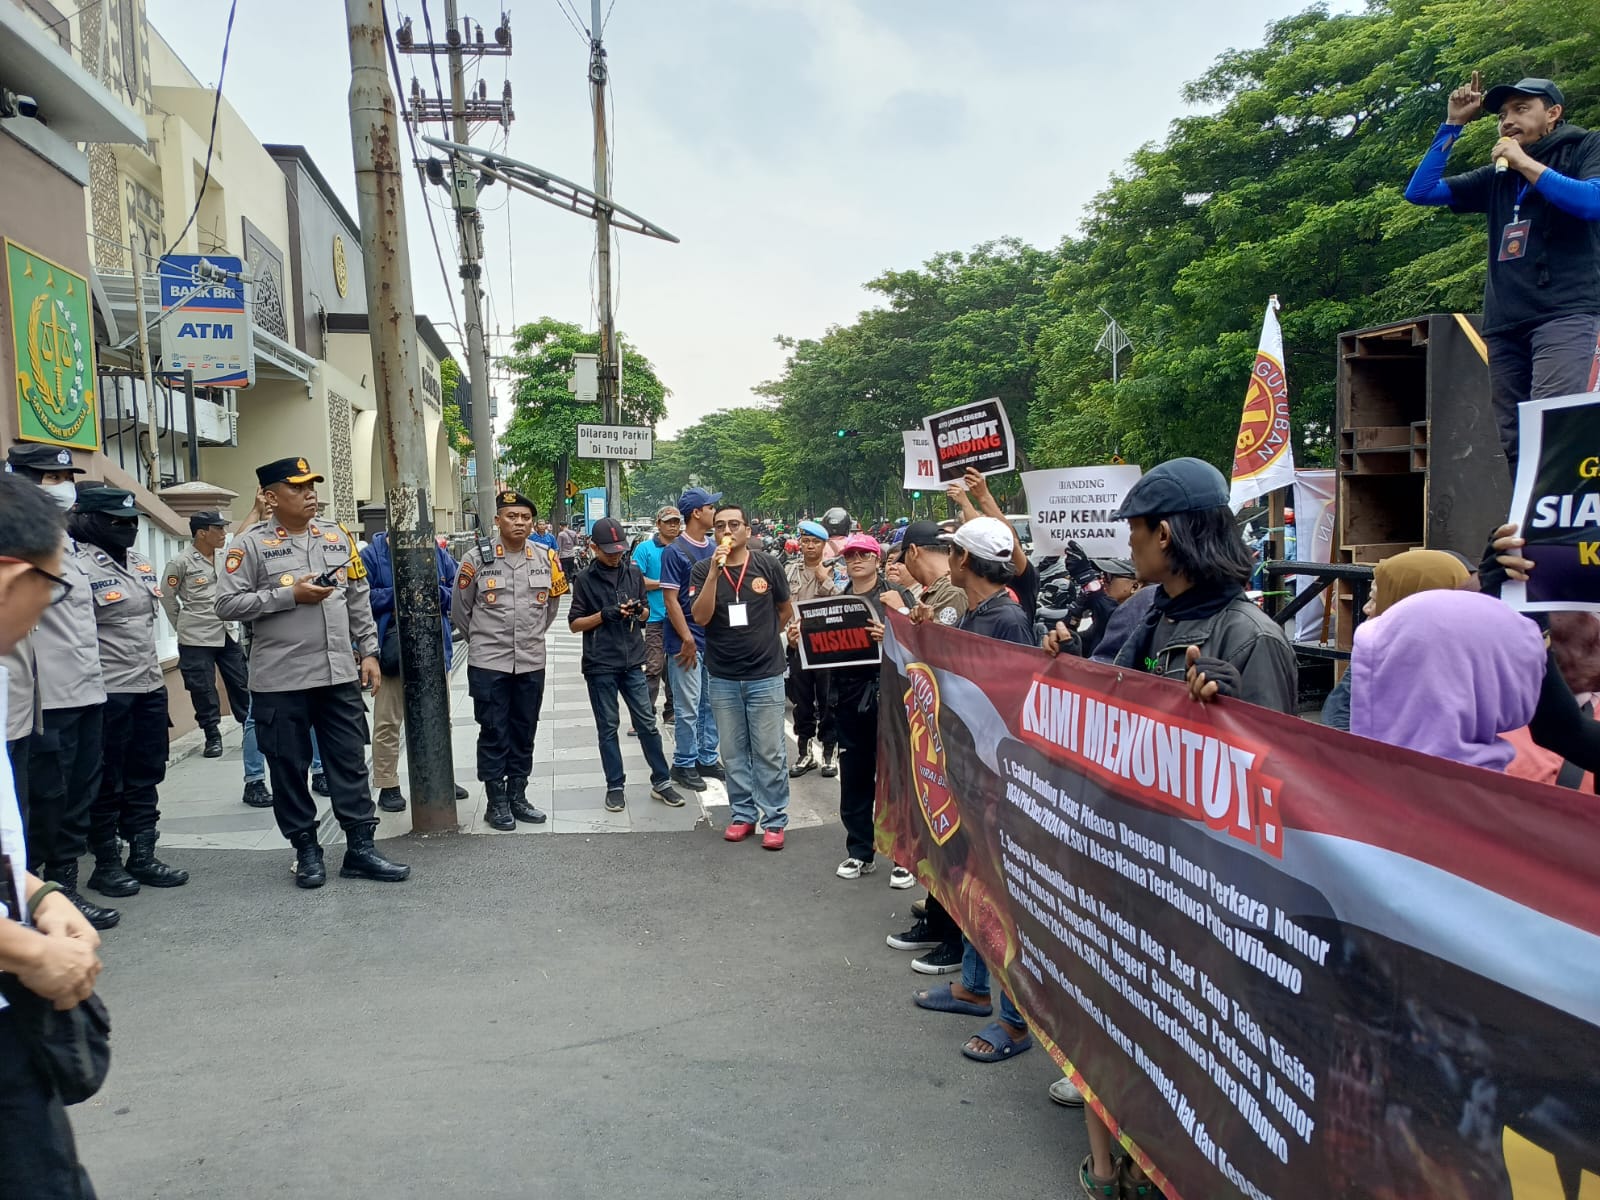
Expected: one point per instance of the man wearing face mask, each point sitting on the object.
(64, 756)
(204, 644)
(126, 595)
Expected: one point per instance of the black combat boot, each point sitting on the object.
(144, 866)
(517, 799)
(830, 764)
(108, 877)
(66, 874)
(213, 744)
(309, 869)
(362, 860)
(390, 800)
(498, 812)
(256, 794)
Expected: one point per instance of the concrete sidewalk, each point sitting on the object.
(201, 807)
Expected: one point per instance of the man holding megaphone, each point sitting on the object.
(1541, 192)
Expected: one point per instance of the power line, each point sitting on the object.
(211, 141)
(427, 23)
(394, 65)
(606, 20)
(577, 24)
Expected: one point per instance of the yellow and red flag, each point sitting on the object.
(1263, 457)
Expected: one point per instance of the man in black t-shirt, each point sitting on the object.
(610, 610)
(740, 597)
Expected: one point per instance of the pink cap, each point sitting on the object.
(861, 541)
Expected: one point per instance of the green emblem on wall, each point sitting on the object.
(52, 334)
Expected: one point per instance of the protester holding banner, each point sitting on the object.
(810, 692)
(856, 700)
(973, 497)
(1393, 579)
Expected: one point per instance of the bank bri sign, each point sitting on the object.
(205, 325)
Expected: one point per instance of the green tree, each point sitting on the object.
(545, 415)
(460, 435)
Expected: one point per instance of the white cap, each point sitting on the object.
(984, 537)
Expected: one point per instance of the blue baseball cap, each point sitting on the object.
(1180, 485)
(812, 529)
(696, 498)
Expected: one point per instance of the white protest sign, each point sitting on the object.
(1075, 504)
(922, 465)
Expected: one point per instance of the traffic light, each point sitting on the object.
(916, 495)
(844, 433)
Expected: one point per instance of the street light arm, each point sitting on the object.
(551, 188)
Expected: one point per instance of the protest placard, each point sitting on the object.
(1556, 503)
(1075, 504)
(922, 465)
(834, 633)
(1279, 961)
(973, 435)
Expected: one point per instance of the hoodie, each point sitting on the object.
(1446, 673)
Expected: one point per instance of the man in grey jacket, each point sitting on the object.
(1183, 539)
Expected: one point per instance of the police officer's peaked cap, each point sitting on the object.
(206, 520)
(511, 499)
(116, 501)
(286, 470)
(36, 456)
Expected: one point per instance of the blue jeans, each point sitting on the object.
(975, 978)
(754, 751)
(255, 763)
(694, 726)
(634, 689)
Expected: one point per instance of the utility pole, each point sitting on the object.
(610, 385)
(463, 183)
(380, 189)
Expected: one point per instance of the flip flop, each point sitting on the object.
(944, 999)
(1005, 1046)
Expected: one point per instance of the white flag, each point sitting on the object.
(1263, 457)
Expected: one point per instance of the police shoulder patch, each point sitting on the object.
(235, 557)
(466, 575)
(172, 581)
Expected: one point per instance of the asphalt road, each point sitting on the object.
(633, 1015)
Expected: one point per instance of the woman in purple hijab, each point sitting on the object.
(1447, 673)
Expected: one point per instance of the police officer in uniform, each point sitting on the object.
(300, 582)
(126, 595)
(64, 755)
(507, 592)
(204, 644)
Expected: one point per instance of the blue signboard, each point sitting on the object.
(205, 323)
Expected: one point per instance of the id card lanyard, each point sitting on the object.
(738, 611)
(1514, 237)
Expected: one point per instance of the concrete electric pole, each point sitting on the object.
(462, 180)
(610, 383)
(380, 189)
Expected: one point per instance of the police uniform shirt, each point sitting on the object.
(505, 603)
(22, 700)
(189, 596)
(803, 584)
(126, 597)
(298, 646)
(66, 646)
(949, 603)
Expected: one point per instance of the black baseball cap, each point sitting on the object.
(514, 499)
(116, 501)
(1117, 568)
(286, 470)
(923, 533)
(1178, 486)
(206, 520)
(1545, 89)
(36, 456)
(608, 537)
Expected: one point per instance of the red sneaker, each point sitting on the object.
(738, 831)
(772, 839)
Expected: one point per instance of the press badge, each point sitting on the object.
(1514, 240)
(738, 614)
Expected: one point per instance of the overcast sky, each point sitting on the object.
(797, 147)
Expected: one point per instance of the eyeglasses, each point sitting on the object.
(728, 525)
(59, 587)
(859, 555)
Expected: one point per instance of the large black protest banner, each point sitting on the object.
(973, 435)
(1556, 501)
(834, 632)
(1281, 961)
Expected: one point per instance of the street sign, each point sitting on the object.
(633, 443)
(205, 326)
(572, 490)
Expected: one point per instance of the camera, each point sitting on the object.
(13, 105)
